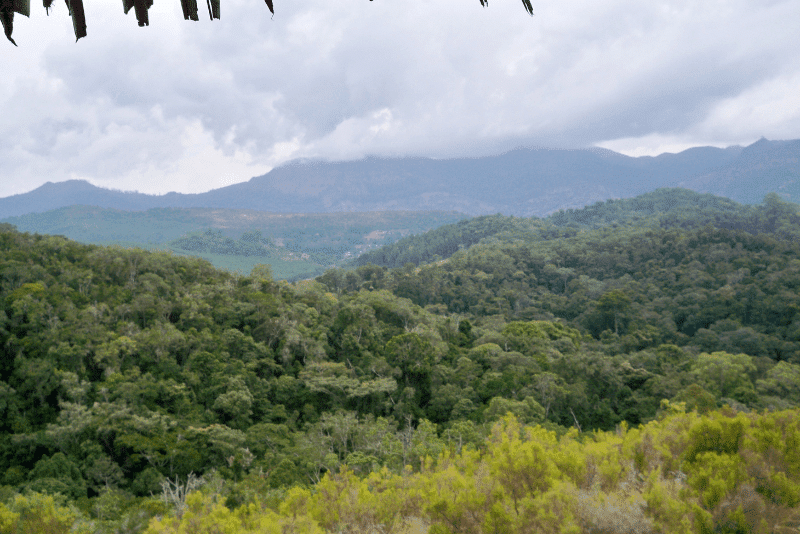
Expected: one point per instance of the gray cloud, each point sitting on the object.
(190, 106)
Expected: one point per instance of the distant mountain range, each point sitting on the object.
(521, 182)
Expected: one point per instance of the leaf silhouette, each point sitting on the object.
(189, 9)
(75, 8)
(141, 7)
(528, 6)
(7, 17)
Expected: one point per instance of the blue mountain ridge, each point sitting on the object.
(521, 182)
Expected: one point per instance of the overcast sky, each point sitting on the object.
(190, 106)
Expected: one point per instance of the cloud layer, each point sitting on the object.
(188, 106)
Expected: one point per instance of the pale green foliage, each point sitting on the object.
(782, 381)
(236, 403)
(724, 374)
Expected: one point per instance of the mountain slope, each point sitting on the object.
(521, 182)
(761, 168)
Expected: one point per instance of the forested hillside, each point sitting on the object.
(499, 390)
(663, 208)
(439, 243)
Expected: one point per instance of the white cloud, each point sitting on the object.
(773, 106)
(189, 106)
(201, 165)
(655, 144)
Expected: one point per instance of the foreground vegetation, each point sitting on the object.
(614, 370)
(685, 473)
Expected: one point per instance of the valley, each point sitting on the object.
(296, 246)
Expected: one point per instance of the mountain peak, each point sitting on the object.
(66, 184)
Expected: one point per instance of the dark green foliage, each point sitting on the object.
(665, 207)
(57, 474)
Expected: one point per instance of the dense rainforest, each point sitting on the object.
(630, 367)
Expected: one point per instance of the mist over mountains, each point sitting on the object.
(522, 182)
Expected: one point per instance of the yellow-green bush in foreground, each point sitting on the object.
(40, 514)
(723, 472)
